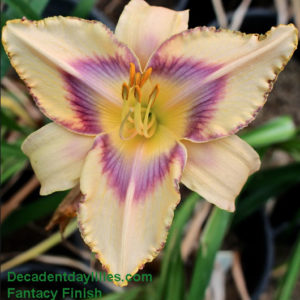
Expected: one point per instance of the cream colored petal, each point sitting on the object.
(131, 191)
(143, 27)
(218, 170)
(56, 156)
(74, 69)
(214, 82)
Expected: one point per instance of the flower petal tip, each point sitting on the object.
(56, 156)
(231, 92)
(218, 170)
(129, 202)
(105, 265)
(230, 208)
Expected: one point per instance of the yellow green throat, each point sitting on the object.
(137, 116)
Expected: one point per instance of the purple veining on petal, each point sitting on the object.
(189, 75)
(204, 107)
(95, 89)
(83, 102)
(106, 67)
(146, 178)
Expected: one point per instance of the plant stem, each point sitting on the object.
(40, 248)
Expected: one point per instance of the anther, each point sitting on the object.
(145, 76)
(136, 118)
(131, 74)
(125, 91)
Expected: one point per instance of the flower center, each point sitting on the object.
(137, 116)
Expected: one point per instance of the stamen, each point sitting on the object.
(151, 127)
(151, 101)
(131, 74)
(137, 78)
(137, 93)
(126, 109)
(137, 119)
(145, 76)
(125, 91)
(153, 95)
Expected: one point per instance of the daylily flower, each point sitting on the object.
(138, 111)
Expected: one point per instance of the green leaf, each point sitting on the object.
(5, 64)
(23, 8)
(292, 147)
(176, 283)
(39, 6)
(275, 131)
(210, 243)
(40, 208)
(83, 8)
(12, 159)
(182, 214)
(12, 124)
(263, 185)
(11, 150)
(289, 279)
(11, 166)
(8, 14)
